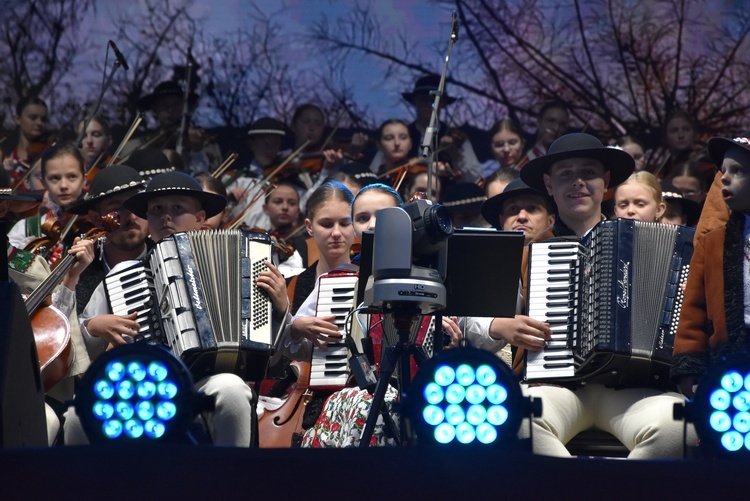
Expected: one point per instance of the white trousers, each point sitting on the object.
(640, 418)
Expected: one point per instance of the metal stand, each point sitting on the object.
(397, 355)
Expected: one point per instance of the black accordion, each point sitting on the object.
(196, 293)
(613, 301)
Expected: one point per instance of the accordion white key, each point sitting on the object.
(203, 301)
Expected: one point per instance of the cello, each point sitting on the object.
(50, 326)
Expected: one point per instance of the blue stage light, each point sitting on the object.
(134, 393)
(721, 409)
(465, 397)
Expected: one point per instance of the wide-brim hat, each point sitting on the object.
(464, 197)
(149, 162)
(493, 207)
(718, 147)
(8, 195)
(426, 85)
(266, 125)
(175, 183)
(579, 145)
(691, 208)
(168, 88)
(108, 182)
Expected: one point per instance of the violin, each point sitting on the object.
(55, 231)
(279, 244)
(51, 328)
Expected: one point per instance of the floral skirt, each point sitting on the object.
(343, 419)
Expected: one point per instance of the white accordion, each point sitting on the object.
(196, 293)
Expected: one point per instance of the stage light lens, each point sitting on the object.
(112, 428)
(720, 421)
(476, 415)
(445, 433)
(445, 375)
(104, 389)
(465, 375)
(133, 428)
(157, 371)
(145, 410)
(486, 375)
(124, 410)
(434, 393)
(455, 394)
(454, 414)
(146, 389)
(154, 428)
(433, 415)
(741, 401)
(497, 415)
(103, 410)
(732, 441)
(732, 381)
(496, 394)
(166, 389)
(475, 394)
(136, 371)
(486, 433)
(126, 389)
(720, 400)
(465, 433)
(166, 410)
(115, 371)
(741, 422)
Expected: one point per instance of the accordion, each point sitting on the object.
(383, 333)
(196, 293)
(613, 301)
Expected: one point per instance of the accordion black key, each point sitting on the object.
(196, 293)
(613, 301)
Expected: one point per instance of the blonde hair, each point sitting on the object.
(647, 179)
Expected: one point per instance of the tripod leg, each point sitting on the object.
(386, 370)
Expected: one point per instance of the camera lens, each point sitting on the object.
(437, 223)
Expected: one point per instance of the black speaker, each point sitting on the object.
(23, 422)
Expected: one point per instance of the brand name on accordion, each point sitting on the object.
(623, 285)
(194, 288)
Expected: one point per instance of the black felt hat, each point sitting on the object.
(691, 208)
(168, 88)
(426, 85)
(579, 145)
(718, 147)
(493, 207)
(175, 183)
(266, 125)
(149, 162)
(360, 172)
(464, 197)
(107, 182)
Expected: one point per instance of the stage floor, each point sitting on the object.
(205, 472)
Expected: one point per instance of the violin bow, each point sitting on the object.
(136, 122)
(224, 166)
(237, 221)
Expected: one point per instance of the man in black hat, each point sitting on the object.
(166, 103)
(175, 202)
(464, 203)
(576, 171)
(462, 156)
(520, 208)
(109, 189)
(264, 140)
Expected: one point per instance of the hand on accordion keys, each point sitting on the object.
(114, 327)
(272, 282)
(521, 331)
(319, 330)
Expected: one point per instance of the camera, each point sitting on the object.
(409, 261)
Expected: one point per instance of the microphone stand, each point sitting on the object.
(185, 101)
(98, 103)
(430, 140)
